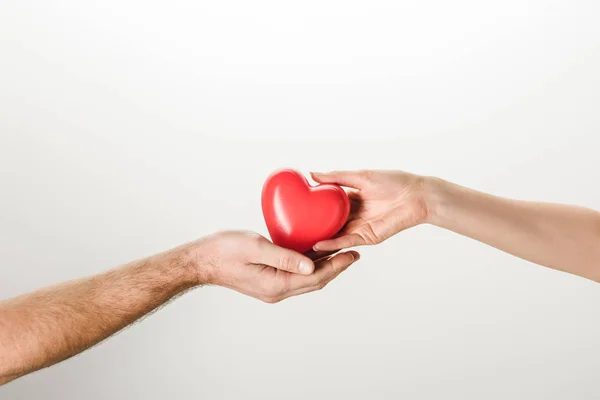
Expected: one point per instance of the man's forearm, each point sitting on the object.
(44, 327)
(562, 237)
(52, 324)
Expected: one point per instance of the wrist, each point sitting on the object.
(189, 264)
(200, 254)
(435, 192)
(178, 266)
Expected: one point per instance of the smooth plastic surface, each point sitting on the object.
(299, 215)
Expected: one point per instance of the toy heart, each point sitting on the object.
(299, 215)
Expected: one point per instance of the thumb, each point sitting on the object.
(354, 179)
(285, 259)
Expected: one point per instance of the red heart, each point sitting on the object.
(299, 215)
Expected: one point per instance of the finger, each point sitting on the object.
(338, 243)
(318, 255)
(354, 179)
(326, 272)
(283, 259)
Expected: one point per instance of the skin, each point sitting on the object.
(49, 325)
(52, 324)
(562, 237)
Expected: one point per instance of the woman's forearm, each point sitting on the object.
(562, 237)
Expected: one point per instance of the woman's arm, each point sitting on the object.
(562, 237)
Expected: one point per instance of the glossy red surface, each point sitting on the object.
(299, 215)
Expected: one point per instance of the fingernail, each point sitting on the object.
(305, 267)
(316, 247)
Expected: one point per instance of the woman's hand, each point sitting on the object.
(383, 204)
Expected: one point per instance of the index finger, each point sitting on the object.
(353, 179)
(338, 243)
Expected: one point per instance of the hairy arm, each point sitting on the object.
(562, 237)
(47, 326)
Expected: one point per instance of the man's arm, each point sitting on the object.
(562, 237)
(52, 324)
(47, 326)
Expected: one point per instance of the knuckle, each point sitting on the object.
(270, 300)
(348, 242)
(256, 243)
(369, 235)
(273, 290)
(254, 237)
(286, 263)
(328, 264)
(337, 267)
(365, 174)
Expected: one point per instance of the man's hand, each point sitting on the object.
(383, 204)
(49, 325)
(251, 264)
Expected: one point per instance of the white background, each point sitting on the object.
(127, 128)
